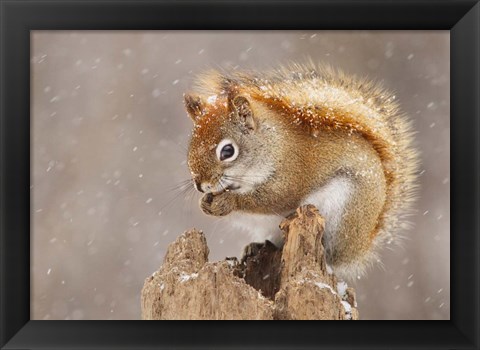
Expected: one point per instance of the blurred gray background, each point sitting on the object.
(108, 142)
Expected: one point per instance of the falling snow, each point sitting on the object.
(109, 138)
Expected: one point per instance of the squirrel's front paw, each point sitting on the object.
(217, 205)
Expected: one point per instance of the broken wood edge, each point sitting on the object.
(293, 282)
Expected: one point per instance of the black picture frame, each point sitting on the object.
(19, 17)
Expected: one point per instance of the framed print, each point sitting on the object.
(125, 124)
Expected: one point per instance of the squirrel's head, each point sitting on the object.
(227, 150)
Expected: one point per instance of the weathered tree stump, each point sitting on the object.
(293, 283)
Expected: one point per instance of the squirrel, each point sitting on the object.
(264, 143)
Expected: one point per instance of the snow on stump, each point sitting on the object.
(293, 283)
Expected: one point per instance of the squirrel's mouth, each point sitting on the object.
(226, 185)
(232, 187)
(229, 188)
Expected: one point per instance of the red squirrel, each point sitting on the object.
(264, 143)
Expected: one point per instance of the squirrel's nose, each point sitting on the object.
(198, 185)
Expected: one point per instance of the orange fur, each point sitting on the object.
(310, 100)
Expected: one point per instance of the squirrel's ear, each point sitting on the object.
(194, 106)
(244, 111)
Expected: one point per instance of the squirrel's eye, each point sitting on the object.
(227, 151)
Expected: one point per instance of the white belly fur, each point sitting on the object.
(259, 227)
(330, 201)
